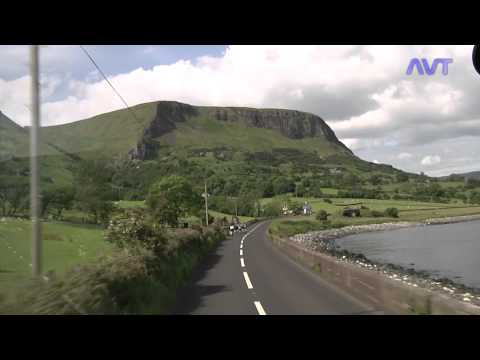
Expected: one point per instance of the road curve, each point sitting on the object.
(248, 275)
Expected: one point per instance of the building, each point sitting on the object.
(307, 209)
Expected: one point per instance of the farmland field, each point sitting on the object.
(408, 211)
(64, 246)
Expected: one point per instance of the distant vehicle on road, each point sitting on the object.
(233, 228)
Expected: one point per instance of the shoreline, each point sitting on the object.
(324, 241)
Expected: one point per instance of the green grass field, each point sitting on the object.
(124, 204)
(64, 246)
(408, 211)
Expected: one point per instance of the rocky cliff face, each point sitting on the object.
(168, 113)
(292, 124)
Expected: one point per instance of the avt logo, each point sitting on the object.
(476, 58)
(423, 67)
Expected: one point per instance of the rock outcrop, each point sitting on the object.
(291, 123)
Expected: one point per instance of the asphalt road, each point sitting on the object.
(252, 277)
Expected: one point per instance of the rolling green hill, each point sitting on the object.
(107, 135)
(192, 127)
(155, 139)
(13, 139)
(15, 152)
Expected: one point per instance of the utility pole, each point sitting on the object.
(34, 176)
(206, 203)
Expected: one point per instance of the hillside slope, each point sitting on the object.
(182, 125)
(159, 138)
(15, 145)
(13, 139)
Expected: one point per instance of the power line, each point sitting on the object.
(108, 82)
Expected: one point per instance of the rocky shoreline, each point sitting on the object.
(324, 241)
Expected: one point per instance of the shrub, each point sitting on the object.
(322, 215)
(133, 279)
(392, 212)
(328, 201)
(376, 213)
(133, 230)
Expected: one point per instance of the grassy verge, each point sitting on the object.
(133, 279)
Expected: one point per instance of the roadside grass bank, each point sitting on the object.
(65, 245)
(140, 275)
(320, 242)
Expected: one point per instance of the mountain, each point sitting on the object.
(154, 139)
(468, 175)
(13, 139)
(15, 149)
(147, 126)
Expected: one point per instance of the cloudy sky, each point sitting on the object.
(416, 123)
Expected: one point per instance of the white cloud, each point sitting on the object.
(361, 91)
(430, 160)
(245, 75)
(404, 156)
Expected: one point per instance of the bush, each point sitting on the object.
(133, 230)
(322, 215)
(273, 209)
(328, 201)
(142, 274)
(392, 212)
(376, 213)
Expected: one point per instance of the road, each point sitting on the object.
(248, 275)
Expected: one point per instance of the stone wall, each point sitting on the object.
(373, 288)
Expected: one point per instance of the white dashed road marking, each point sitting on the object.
(247, 280)
(259, 307)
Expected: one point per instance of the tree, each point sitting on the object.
(273, 208)
(171, 198)
(57, 199)
(301, 190)
(283, 185)
(94, 193)
(13, 194)
(322, 215)
(246, 205)
(402, 177)
(375, 179)
(268, 190)
(316, 191)
(349, 179)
